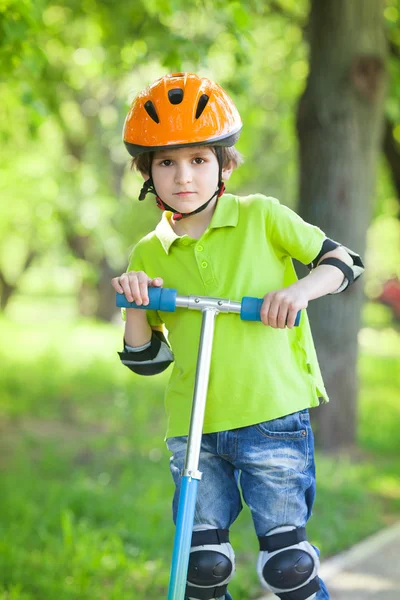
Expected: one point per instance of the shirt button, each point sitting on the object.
(204, 264)
(199, 248)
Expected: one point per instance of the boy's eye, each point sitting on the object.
(199, 160)
(166, 163)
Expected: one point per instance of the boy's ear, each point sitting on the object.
(227, 171)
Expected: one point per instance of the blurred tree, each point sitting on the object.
(391, 148)
(340, 122)
(75, 66)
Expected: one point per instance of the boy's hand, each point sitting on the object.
(280, 308)
(135, 286)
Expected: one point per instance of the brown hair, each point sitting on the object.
(230, 156)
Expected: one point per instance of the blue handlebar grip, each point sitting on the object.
(163, 299)
(251, 307)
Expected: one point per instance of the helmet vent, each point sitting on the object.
(175, 96)
(201, 105)
(151, 111)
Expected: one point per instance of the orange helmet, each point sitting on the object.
(179, 110)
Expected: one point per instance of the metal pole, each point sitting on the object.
(200, 393)
(191, 473)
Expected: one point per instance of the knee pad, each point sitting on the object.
(288, 564)
(211, 563)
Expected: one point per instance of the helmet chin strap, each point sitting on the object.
(178, 216)
(149, 188)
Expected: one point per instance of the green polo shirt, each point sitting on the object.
(257, 372)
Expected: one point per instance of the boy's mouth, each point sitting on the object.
(182, 194)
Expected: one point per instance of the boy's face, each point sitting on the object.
(185, 178)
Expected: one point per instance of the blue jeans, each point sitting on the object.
(272, 463)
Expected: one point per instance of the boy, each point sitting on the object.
(181, 131)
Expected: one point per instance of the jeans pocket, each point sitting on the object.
(286, 440)
(289, 427)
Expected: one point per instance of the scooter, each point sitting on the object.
(165, 299)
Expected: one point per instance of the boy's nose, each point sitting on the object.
(183, 174)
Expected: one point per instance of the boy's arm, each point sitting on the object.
(146, 349)
(154, 354)
(324, 279)
(280, 308)
(137, 329)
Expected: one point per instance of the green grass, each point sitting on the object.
(85, 498)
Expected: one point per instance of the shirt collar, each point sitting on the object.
(226, 215)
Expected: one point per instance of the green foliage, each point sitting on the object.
(68, 194)
(19, 27)
(392, 23)
(86, 490)
(70, 71)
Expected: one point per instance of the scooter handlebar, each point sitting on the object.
(164, 300)
(251, 310)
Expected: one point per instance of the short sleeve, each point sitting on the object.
(291, 235)
(136, 264)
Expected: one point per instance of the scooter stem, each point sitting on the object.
(191, 474)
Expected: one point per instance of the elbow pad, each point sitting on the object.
(327, 246)
(150, 359)
(350, 272)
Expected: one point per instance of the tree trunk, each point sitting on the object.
(339, 125)
(106, 307)
(6, 291)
